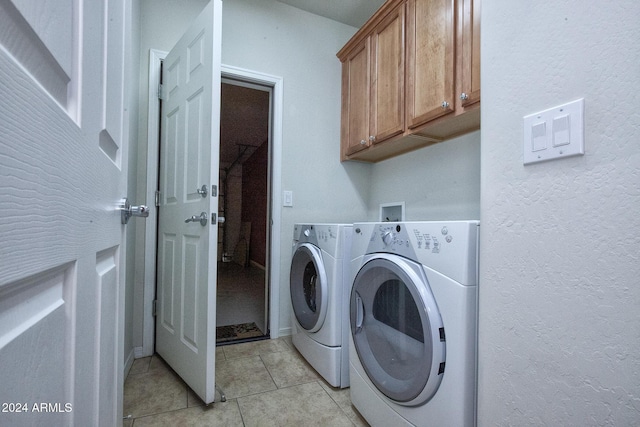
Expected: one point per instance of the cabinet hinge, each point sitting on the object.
(161, 94)
(154, 308)
(157, 201)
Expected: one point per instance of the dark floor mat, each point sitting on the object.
(237, 332)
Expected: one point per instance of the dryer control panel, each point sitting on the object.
(447, 247)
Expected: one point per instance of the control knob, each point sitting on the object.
(387, 238)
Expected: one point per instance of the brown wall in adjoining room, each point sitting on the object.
(255, 203)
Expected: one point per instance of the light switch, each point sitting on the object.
(554, 133)
(287, 199)
(561, 131)
(539, 136)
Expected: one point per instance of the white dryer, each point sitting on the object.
(319, 284)
(413, 317)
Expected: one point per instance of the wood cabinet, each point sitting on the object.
(373, 83)
(430, 67)
(469, 56)
(410, 78)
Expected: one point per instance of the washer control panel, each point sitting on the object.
(328, 237)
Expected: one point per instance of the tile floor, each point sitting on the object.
(267, 383)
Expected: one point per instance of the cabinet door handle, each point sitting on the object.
(464, 96)
(372, 138)
(363, 142)
(445, 104)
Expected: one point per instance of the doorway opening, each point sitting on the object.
(274, 196)
(243, 201)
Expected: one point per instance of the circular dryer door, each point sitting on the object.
(308, 286)
(397, 329)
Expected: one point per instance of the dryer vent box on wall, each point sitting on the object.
(392, 212)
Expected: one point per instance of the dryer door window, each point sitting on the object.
(397, 329)
(308, 286)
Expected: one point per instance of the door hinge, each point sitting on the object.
(154, 308)
(214, 191)
(161, 94)
(157, 198)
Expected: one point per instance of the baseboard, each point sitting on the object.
(256, 265)
(284, 332)
(128, 362)
(139, 352)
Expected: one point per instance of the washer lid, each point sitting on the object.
(397, 329)
(308, 287)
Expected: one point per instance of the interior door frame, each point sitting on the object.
(151, 225)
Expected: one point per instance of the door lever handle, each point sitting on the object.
(202, 219)
(127, 211)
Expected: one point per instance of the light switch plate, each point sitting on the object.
(287, 199)
(554, 133)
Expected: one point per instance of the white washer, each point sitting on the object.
(413, 317)
(319, 286)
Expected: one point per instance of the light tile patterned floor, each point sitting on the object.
(267, 383)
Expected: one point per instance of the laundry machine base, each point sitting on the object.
(332, 363)
(376, 412)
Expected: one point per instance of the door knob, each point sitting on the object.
(127, 211)
(202, 191)
(202, 219)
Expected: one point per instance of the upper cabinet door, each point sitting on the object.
(430, 60)
(470, 52)
(356, 99)
(387, 76)
(410, 78)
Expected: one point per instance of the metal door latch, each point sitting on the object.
(127, 211)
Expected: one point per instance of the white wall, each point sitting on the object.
(560, 241)
(441, 181)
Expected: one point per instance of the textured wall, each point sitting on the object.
(559, 338)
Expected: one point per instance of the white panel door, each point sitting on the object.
(187, 251)
(63, 161)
